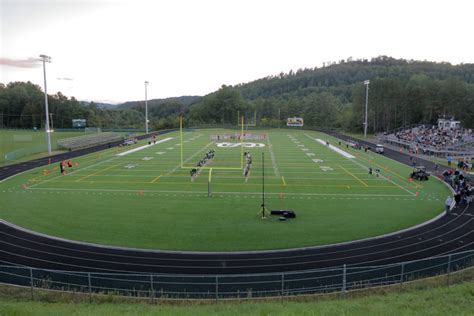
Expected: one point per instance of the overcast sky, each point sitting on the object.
(105, 50)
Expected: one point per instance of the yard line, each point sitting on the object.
(156, 179)
(364, 167)
(403, 188)
(97, 172)
(197, 152)
(73, 172)
(354, 176)
(393, 172)
(272, 156)
(284, 183)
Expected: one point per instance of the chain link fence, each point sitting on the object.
(217, 287)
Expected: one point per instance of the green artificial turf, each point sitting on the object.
(146, 200)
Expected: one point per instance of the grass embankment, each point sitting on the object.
(423, 297)
(29, 140)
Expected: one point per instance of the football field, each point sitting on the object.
(144, 195)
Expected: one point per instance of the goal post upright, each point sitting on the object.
(182, 162)
(181, 138)
(242, 144)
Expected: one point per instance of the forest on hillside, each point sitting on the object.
(401, 93)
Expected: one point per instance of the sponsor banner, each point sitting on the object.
(238, 136)
(294, 121)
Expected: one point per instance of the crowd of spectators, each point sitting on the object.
(434, 137)
(462, 184)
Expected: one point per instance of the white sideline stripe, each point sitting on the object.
(143, 147)
(223, 192)
(338, 150)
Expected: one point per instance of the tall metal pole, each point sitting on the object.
(278, 118)
(367, 82)
(146, 107)
(46, 59)
(263, 185)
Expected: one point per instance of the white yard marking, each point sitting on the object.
(317, 160)
(144, 146)
(338, 150)
(160, 152)
(187, 160)
(130, 166)
(272, 156)
(326, 168)
(169, 192)
(147, 158)
(347, 155)
(309, 154)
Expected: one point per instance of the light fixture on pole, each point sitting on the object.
(146, 107)
(46, 59)
(366, 82)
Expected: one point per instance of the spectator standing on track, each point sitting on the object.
(448, 203)
(457, 198)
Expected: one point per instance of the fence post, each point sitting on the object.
(217, 287)
(402, 272)
(344, 280)
(31, 283)
(90, 286)
(449, 269)
(282, 284)
(152, 289)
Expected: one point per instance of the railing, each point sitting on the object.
(217, 287)
(427, 150)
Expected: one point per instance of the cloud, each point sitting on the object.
(65, 78)
(21, 63)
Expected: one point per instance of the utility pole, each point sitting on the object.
(278, 118)
(367, 82)
(46, 59)
(263, 186)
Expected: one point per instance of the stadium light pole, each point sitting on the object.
(366, 82)
(146, 107)
(46, 59)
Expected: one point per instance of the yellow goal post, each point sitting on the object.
(214, 168)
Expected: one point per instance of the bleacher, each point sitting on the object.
(433, 140)
(79, 142)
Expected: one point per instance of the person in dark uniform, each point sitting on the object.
(61, 167)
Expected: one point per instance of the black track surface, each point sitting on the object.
(447, 234)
